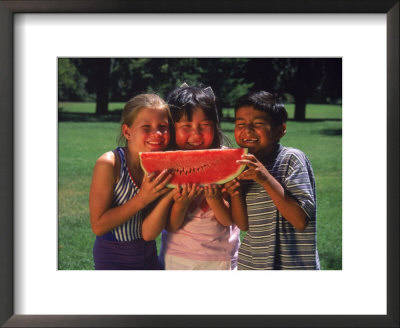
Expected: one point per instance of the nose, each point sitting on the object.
(249, 127)
(156, 131)
(196, 130)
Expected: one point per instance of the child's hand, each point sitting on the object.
(153, 186)
(171, 194)
(256, 171)
(212, 192)
(232, 188)
(186, 193)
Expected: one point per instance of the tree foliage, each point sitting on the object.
(118, 79)
(71, 83)
(317, 80)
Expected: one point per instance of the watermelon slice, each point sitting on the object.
(209, 166)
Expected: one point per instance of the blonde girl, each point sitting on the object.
(127, 207)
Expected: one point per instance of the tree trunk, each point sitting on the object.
(302, 89)
(102, 82)
(300, 108)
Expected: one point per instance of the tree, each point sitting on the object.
(119, 79)
(225, 76)
(128, 77)
(71, 84)
(101, 78)
(306, 79)
(97, 72)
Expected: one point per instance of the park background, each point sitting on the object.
(93, 91)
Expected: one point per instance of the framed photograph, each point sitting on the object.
(35, 293)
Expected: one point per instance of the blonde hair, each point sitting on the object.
(135, 105)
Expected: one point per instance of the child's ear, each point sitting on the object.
(282, 130)
(126, 131)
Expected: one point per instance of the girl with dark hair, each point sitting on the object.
(200, 233)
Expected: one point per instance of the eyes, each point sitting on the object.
(162, 128)
(256, 124)
(188, 125)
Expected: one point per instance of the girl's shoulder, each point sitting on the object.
(110, 161)
(108, 158)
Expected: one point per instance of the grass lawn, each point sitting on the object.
(81, 143)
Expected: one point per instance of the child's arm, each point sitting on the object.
(182, 199)
(217, 204)
(238, 205)
(284, 202)
(103, 218)
(157, 219)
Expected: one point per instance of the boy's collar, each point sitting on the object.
(278, 147)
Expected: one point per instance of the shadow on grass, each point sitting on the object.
(331, 132)
(112, 116)
(115, 116)
(328, 132)
(308, 120)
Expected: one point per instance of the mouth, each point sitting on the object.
(155, 144)
(249, 140)
(194, 144)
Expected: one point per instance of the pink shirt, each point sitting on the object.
(201, 236)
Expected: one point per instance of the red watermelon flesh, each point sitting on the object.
(209, 166)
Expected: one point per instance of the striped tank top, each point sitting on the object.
(124, 190)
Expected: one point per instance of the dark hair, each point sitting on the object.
(264, 102)
(185, 99)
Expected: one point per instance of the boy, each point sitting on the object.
(275, 201)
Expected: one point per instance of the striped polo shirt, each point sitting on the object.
(271, 242)
(124, 190)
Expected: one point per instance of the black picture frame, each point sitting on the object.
(7, 11)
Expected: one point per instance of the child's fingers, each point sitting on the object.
(165, 174)
(250, 157)
(175, 191)
(246, 162)
(183, 190)
(210, 190)
(199, 190)
(245, 175)
(149, 177)
(193, 190)
(229, 186)
(230, 183)
(235, 185)
(178, 194)
(214, 189)
(189, 188)
(164, 191)
(163, 183)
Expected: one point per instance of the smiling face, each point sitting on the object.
(195, 134)
(149, 131)
(254, 131)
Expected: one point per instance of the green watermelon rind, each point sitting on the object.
(227, 179)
